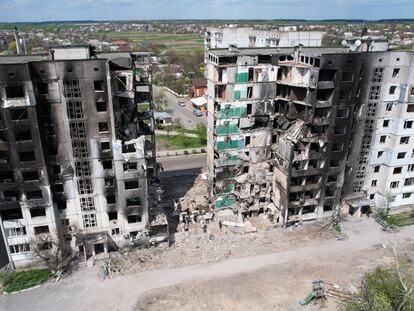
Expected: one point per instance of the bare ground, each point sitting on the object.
(277, 287)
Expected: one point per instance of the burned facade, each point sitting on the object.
(280, 123)
(77, 152)
(380, 169)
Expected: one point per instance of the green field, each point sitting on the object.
(165, 142)
(182, 43)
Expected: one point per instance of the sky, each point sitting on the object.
(61, 10)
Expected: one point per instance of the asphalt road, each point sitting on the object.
(183, 162)
(188, 120)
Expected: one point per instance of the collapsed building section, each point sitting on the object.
(78, 151)
(279, 127)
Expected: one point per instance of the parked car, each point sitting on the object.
(181, 103)
(197, 113)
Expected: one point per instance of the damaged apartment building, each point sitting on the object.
(280, 123)
(77, 149)
(295, 131)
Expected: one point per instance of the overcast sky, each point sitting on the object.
(42, 10)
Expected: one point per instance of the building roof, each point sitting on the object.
(199, 101)
(199, 82)
(313, 51)
(161, 115)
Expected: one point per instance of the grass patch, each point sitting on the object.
(401, 220)
(17, 281)
(143, 107)
(179, 142)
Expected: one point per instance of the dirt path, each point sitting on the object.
(85, 291)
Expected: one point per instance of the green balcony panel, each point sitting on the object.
(223, 145)
(225, 130)
(224, 202)
(232, 112)
(242, 77)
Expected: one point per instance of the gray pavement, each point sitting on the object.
(184, 162)
(188, 120)
(86, 290)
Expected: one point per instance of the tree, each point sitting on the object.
(12, 46)
(51, 249)
(201, 132)
(385, 289)
(160, 102)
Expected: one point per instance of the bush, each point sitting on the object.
(382, 290)
(17, 281)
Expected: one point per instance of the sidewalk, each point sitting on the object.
(173, 133)
(171, 153)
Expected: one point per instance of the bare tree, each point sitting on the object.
(51, 249)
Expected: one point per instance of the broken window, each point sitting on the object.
(337, 147)
(72, 89)
(395, 72)
(89, 220)
(393, 88)
(57, 187)
(80, 149)
(105, 146)
(327, 75)
(41, 230)
(345, 94)
(404, 140)
(87, 204)
(74, 109)
(23, 135)
(377, 168)
(30, 176)
(374, 92)
(98, 85)
(373, 183)
(101, 106)
(347, 76)
(385, 123)
(397, 170)
(110, 199)
(131, 184)
(7, 176)
(19, 248)
(377, 74)
(401, 155)
(342, 113)
(409, 181)
(249, 91)
(127, 148)
(408, 124)
(12, 232)
(379, 154)
(103, 127)
(18, 114)
(109, 182)
(323, 95)
(130, 166)
(394, 184)
(134, 218)
(410, 108)
(112, 215)
(334, 163)
(107, 164)
(82, 168)
(115, 231)
(37, 212)
(406, 195)
(85, 186)
(383, 139)
(388, 106)
(42, 88)
(61, 204)
(133, 202)
(340, 130)
(77, 130)
(14, 92)
(27, 156)
(251, 74)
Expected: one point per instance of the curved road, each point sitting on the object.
(86, 291)
(188, 120)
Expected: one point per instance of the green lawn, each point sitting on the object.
(401, 220)
(179, 142)
(20, 280)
